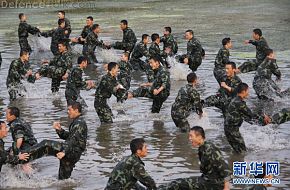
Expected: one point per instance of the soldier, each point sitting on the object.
(131, 169)
(215, 171)
(227, 90)
(23, 30)
(75, 83)
(236, 113)
(129, 38)
(85, 32)
(22, 133)
(91, 43)
(195, 52)
(169, 41)
(124, 77)
(67, 28)
(57, 69)
(158, 90)
(57, 35)
(221, 59)
(281, 117)
(69, 151)
(18, 71)
(5, 156)
(261, 47)
(187, 99)
(155, 51)
(107, 86)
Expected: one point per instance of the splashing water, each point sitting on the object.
(177, 69)
(108, 55)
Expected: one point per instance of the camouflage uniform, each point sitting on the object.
(23, 31)
(223, 97)
(6, 157)
(282, 116)
(124, 77)
(92, 41)
(261, 48)
(161, 78)
(57, 35)
(17, 71)
(67, 27)
(126, 174)
(104, 91)
(194, 54)
(214, 171)
(154, 51)
(222, 58)
(59, 66)
(85, 32)
(73, 147)
(20, 129)
(139, 51)
(128, 42)
(169, 42)
(187, 99)
(74, 84)
(236, 113)
(263, 84)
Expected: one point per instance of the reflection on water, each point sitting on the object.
(170, 154)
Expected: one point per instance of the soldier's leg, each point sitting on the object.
(235, 139)
(104, 111)
(55, 84)
(182, 184)
(181, 123)
(142, 92)
(219, 75)
(282, 116)
(70, 97)
(24, 45)
(67, 163)
(157, 103)
(248, 66)
(12, 93)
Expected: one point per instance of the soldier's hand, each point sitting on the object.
(23, 156)
(267, 119)
(65, 76)
(156, 91)
(246, 41)
(227, 185)
(60, 155)
(167, 50)
(66, 32)
(90, 84)
(130, 95)
(45, 61)
(146, 84)
(56, 125)
(37, 76)
(185, 60)
(237, 71)
(75, 39)
(29, 73)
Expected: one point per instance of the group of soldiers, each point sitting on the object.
(230, 98)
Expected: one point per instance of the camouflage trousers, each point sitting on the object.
(24, 45)
(235, 138)
(54, 73)
(193, 64)
(157, 100)
(217, 101)
(249, 66)
(90, 55)
(138, 64)
(219, 74)
(125, 81)
(181, 123)
(193, 183)
(51, 148)
(103, 110)
(16, 90)
(282, 116)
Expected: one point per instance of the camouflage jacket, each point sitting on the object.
(67, 27)
(5, 157)
(75, 80)
(62, 64)
(169, 41)
(238, 111)
(212, 164)
(17, 71)
(129, 40)
(20, 129)
(57, 35)
(261, 48)
(24, 29)
(155, 51)
(186, 99)
(125, 68)
(161, 78)
(127, 172)
(140, 50)
(194, 52)
(86, 30)
(76, 137)
(106, 87)
(267, 68)
(222, 58)
(92, 41)
(231, 82)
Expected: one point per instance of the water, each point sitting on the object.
(171, 155)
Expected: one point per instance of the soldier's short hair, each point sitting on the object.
(76, 106)
(242, 87)
(154, 58)
(95, 26)
(63, 42)
(112, 65)
(191, 77)
(14, 111)
(24, 52)
(258, 31)
(190, 31)
(168, 29)
(127, 54)
(20, 15)
(154, 37)
(233, 64)
(269, 51)
(198, 130)
(225, 41)
(90, 17)
(144, 36)
(62, 12)
(60, 21)
(136, 144)
(82, 59)
(125, 22)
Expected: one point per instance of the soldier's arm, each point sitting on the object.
(32, 30)
(275, 69)
(5, 157)
(14, 72)
(144, 51)
(164, 80)
(79, 80)
(225, 56)
(68, 26)
(48, 33)
(63, 134)
(197, 102)
(254, 42)
(142, 176)
(248, 115)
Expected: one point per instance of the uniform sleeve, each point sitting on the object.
(248, 115)
(77, 136)
(48, 33)
(142, 176)
(275, 69)
(68, 63)
(144, 51)
(164, 80)
(68, 26)
(195, 97)
(225, 56)
(253, 42)
(5, 157)
(78, 80)
(63, 134)
(32, 30)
